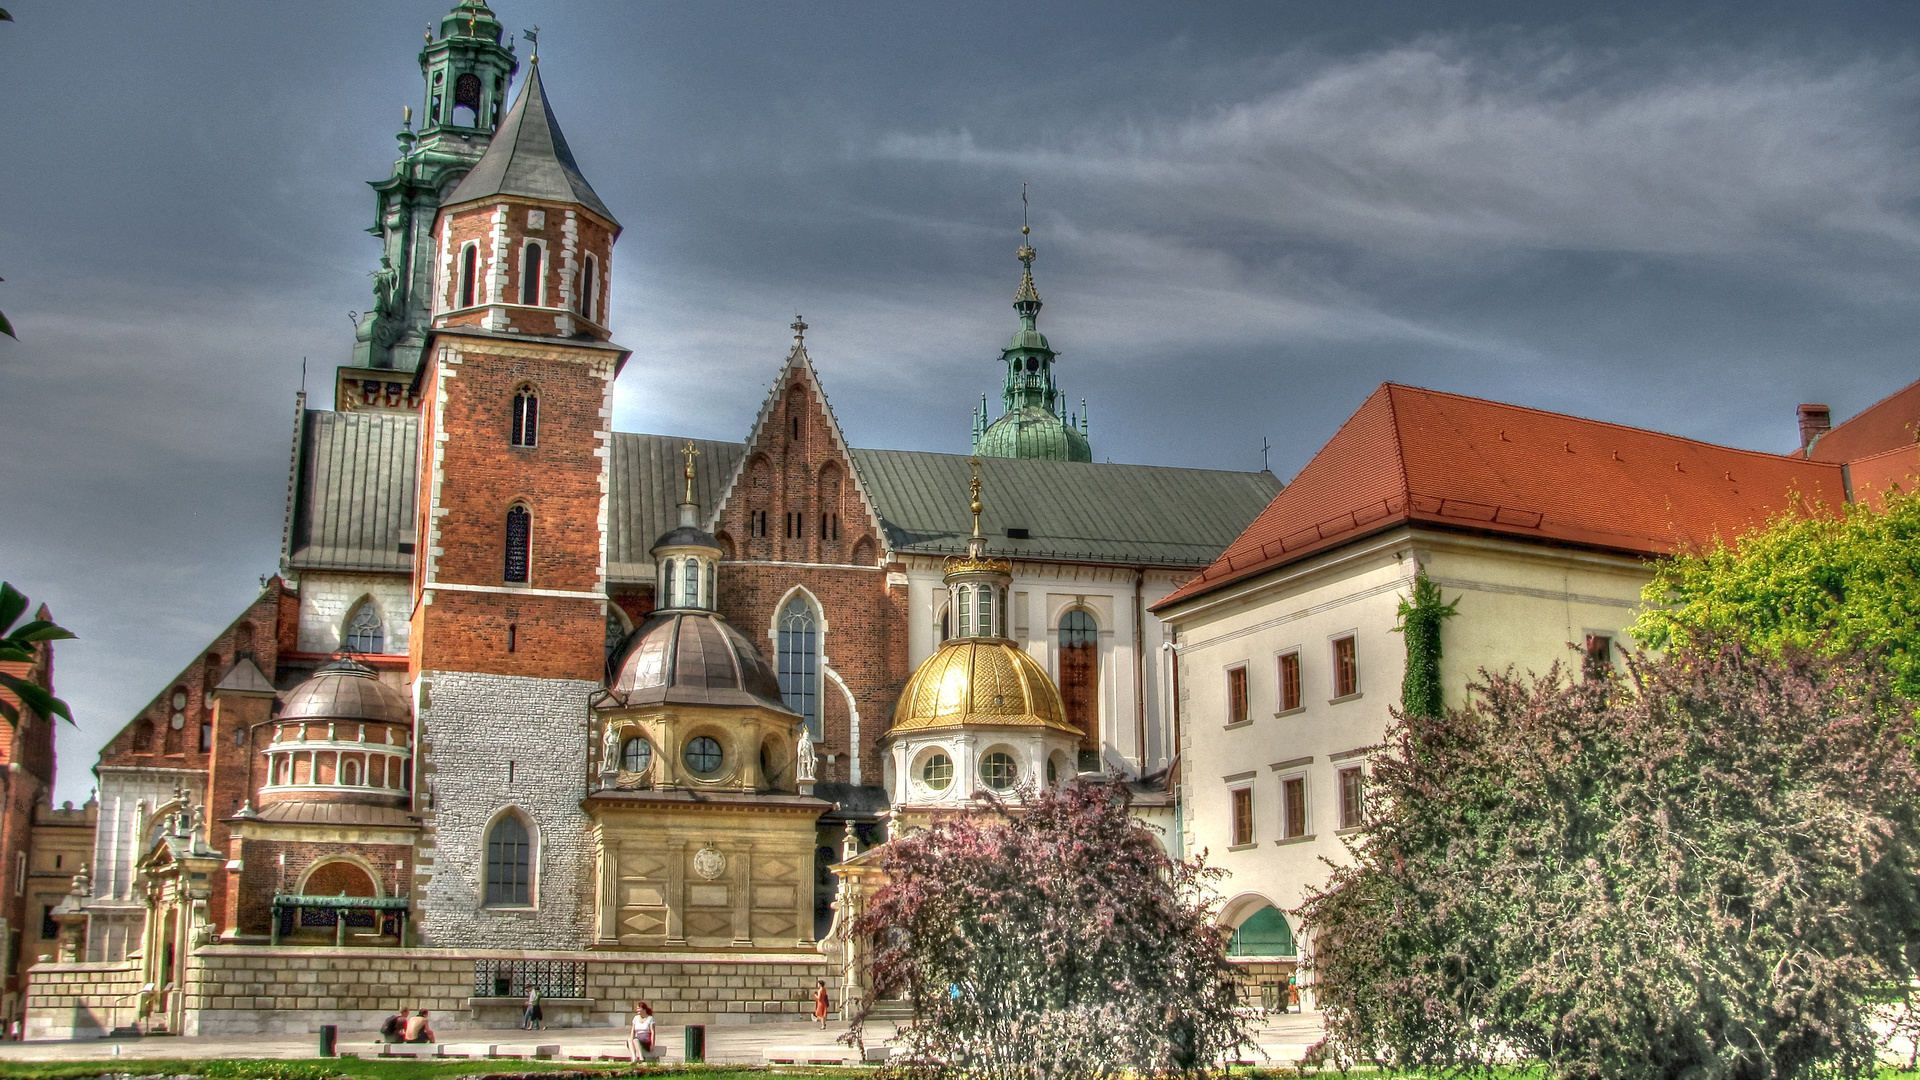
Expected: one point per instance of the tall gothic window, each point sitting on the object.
(526, 416)
(530, 275)
(690, 583)
(469, 273)
(1080, 674)
(589, 274)
(508, 852)
(800, 662)
(364, 632)
(519, 535)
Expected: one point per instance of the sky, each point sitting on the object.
(1689, 217)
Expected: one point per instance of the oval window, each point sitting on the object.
(937, 771)
(636, 754)
(997, 771)
(703, 755)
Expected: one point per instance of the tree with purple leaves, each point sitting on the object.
(1051, 938)
(1707, 869)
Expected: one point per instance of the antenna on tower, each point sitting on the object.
(1264, 447)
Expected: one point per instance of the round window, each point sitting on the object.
(636, 754)
(703, 755)
(997, 771)
(937, 771)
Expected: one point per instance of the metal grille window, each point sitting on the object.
(508, 863)
(513, 978)
(998, 771)
(703, 755)
(519, 533)
(526, 417)
(364, 632)
(800, 662)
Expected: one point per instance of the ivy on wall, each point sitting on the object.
(1420, 619)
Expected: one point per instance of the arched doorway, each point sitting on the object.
(1265, 958)
(1080, 675)
(336, 878)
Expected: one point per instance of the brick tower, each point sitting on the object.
(509, 620)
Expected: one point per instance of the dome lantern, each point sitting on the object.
(686, 557)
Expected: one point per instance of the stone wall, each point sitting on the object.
(327, 598)
(240, 989)
(492, 744)
(83, 1000)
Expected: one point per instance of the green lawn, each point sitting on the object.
(371, 1068)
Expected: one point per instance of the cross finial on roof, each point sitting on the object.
(799, 328)
(533, 39)
(689, 452)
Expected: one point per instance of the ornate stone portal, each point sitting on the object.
(703, 838)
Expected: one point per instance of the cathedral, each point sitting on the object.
(552, 701)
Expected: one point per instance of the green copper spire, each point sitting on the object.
(467, 73)
(1034, 423)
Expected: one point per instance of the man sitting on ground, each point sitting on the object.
(395, 1029)
(417, 1029)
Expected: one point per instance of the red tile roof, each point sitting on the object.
(1893, 421)
(1871, 478)
(1413, 455)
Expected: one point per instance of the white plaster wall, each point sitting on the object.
(326, 599)
(1518, 605)
(117, 909)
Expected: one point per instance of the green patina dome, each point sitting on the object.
(1033, 432)
(1033, 423)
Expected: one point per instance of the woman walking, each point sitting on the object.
(820, 1003)
(531, 1020)
(640, 1039)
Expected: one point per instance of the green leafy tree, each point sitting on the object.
(1707, 870)
(1838, 582)
(1053, 940)
(17, 647)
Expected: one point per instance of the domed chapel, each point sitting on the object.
(548, 702)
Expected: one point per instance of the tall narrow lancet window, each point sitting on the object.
(519, 536)
(800, 662)
(526, 417)
(469, 273)
(690, 583)
(508, 863)
(530, 276)
(589, 282)
(364, 633)
(984, 615)
(1080, 674)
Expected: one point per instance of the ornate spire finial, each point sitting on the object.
(690, 452)
(799, 328)
(533, 41)
(973, 488)
(1027, 300)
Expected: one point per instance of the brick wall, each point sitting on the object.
(78, 1001)
(249, 989)
(475, 730)
(501, 231)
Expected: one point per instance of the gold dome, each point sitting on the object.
(986, 682)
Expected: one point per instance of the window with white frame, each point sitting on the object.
(469, 275)
(1353, 797)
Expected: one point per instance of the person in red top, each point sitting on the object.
(820, 1003)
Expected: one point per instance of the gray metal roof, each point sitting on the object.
(648, 482)
(354, 502)
(1072, 510)
(528, 156)
(357, 477)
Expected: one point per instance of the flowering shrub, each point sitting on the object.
(1055, 939)
(1708, 871)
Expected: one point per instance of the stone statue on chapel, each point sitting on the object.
(805, 751)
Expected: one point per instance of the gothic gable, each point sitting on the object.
(796, 495)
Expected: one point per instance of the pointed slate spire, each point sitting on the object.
(529, 157)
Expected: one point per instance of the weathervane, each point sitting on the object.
(690, 452)
(533, 40)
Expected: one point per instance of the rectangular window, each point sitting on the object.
(19, 873)
(1346, 668)
(206, 735)
(1242, 816)
(1293, 792)
(1237, 694)
(1597, 659)
(1290, 681)
(1353, 801)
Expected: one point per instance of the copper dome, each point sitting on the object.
(346, 690)
(693, 658)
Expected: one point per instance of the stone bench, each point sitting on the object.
(824, 1055)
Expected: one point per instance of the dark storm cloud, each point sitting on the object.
(1683, 217)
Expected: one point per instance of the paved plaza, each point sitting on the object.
(1282, 1038)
